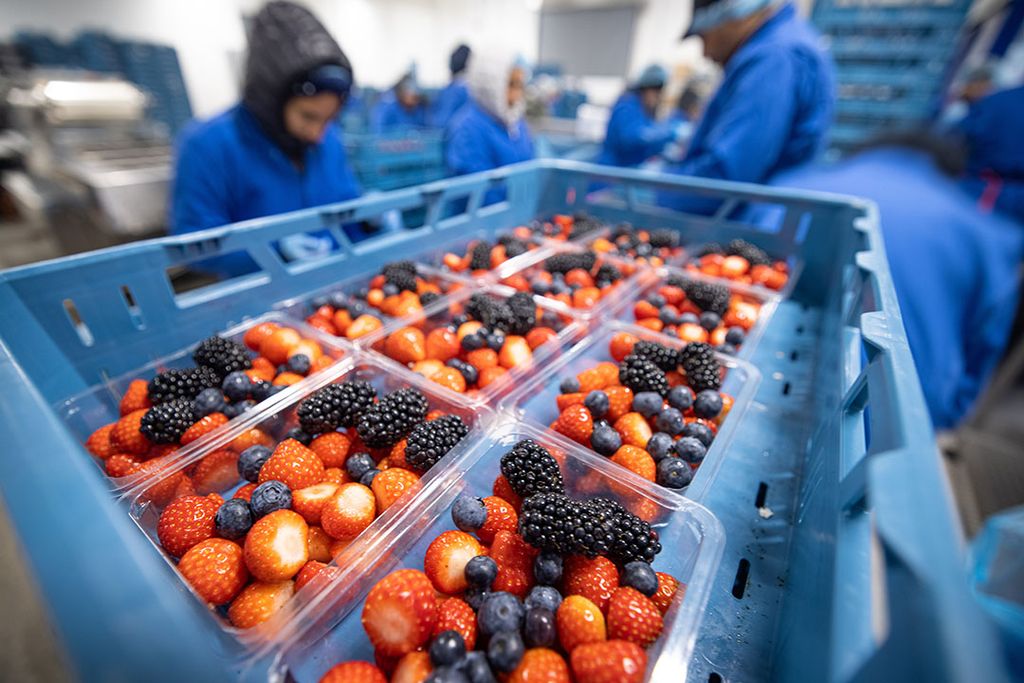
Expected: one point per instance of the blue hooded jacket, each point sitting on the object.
(994, 132)
(451, 98)
(389, 115)
(633, 136)
(476, 141)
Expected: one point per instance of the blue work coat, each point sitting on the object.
(994, 132)
(447, 103)
(389, 115)
(476, 141)
(633, 136)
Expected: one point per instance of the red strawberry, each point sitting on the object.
(204, 426)
(245, 492)
(563, 401)
(309, 502)
(412, 668)
(578, 622)
(406, 345)
(319, 544)
(216, 570)
(633, 429)
(591, 380)
(620, 402)
(400, 612)
(514, 557)
(216, 472)
(445, 560)
(667, 587)
(633, 617)
(126, 436)
(608, 373)
(310, 571)
(294, 465)
(595, 579)
(481, 359)
(615, 661)
(258, 602)
(392, 484)
(99, 443)
(515, 353)
(502, 489)
(540, 665)
(645, 309)
(185, 522)
(576, 423)
(349, 511)
(635, 460)
(250, 437)
(164, 490)
(332, 448)
(336, 475)
(276, 546)
(136, 397)
(539, 336)
(354, 672)
(621, 346)
(455, 614)
(500, 515)
(121, 465)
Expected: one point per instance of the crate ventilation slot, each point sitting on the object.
(739, 586)
(79, 326)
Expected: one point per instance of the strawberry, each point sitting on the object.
(319, 544)
(563, 401)
(309, 502)
(332, 448)
(578, 622)
(667, 587)
(489, 376)
(633, 429)
(445, 560)
(633, 617)
(255, 335)
(218, 471)
(362, 326)
(614, 661)
(500, 516)
(126, 437)
(594, 378)
(250, 437)
(185, 522)
(620, 402)
(645, 309)
(502, 489)
(287, 379)
(163, 490)
(450, 378)
(576, 423)
(621, 345)
(595, 579)
(215, 569)
(400, 612)
(185, 488)
(338, 547)
(323, 362)
(481, 359)
(204, 426)
(442, 344)
(515, 353)
(263, 368)
(99, 443)
(276, 546)
(336, 475)
(293, 464)
(245, 492)
(406, 345)
(580, 277)
(392, 484)
(310, 571)
(258, 602)
(636, 460)
(515, 563)
(608, 372)
(586, 297)
(455, 614)
(539, 336)
(540, 665)
(136, 397)
(412, 668)
(467, 328)
(278, 344)
(349, 511)
(428, 368)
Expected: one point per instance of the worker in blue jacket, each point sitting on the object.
(400, 108)
(773, 108)
(994, 133)
(490, 130)
(634, 134)
(279, 149)
(955, 269)
(455, 94)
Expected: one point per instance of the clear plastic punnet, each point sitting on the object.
(99, 405)
(707, 259)
(330, 630)
(456, 256)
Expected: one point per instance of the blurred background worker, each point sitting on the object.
(993, 131)
(955, 269)
(774, 106)
(634, 133)
(451, 98)
(402, 107)
(278, 150)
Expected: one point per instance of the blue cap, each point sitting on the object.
(330, 78)
(654, 76)
(708, 14)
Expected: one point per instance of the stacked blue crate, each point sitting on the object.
(43, 50)
(97, 51)
(155, 69)
(390, 161)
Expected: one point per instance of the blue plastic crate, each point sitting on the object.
(389, 161)
(844, 560)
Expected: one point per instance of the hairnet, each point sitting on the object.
(707, 14)
(654, 76)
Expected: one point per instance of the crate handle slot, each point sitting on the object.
(77, 324)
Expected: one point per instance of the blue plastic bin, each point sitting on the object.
(843, 562)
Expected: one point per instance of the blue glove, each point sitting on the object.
(304, 247)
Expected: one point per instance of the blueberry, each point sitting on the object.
(260, 391)
(559, 287)
(689, 319)
(469, 373)
(469, 513)
(472, 342)
(269, 496)
(644, 249)
(208, 401)
(233, 519)
(597, 403)
(543, 596)
(338, 300)
(680, 397)
(481, 571)
(460, 319)
(727, 349)
(547, 568)
(495, 340)
(475, 598)
(668, 316)
(276, 389)
(656, 300)
(318, 302)
(709, 320)
(233, 410)
(605, 440)
(690, 449)
(659, 445)
(640, 576)
(569, 385)
(673, 473)
(670, 421)
(551, 319)
(389, 289)
(357, 308)
(446, 674)
(700, 432)
(500, 611)
(540, 287)
(280, 369)
(237, 386)
(539, 627)
(476, 668)
(505, 651)
(647, 403)
(708, 404)
(299, 435)
(251, 460)
(670, 332)
(735, 336)
(359, 464)
(368, 475)
(448, 647)
(299, 364)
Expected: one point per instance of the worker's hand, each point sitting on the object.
(683, 132)
(304, 247)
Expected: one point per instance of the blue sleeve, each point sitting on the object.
(637, 133)
(380, 117)
(465, 150)
(200, 195)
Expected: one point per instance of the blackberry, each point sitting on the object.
(223, 356)
(703, 371)
(709, 248)
(513, 246)
(336, 405)
(546, 521)
(165, 423)
(608, 273)
(175, 384)
(524, 313)
(664, 238)
(492, 313)
(555, 523)
(430, 441)
(392, 418)
(563, 263)
(583, 224)
(427, 298)
(640, 374)
(401, 274)
(631, 538)
(706, 295)
(480, 256)
(665, 358)
(755, 255)
(530, 469)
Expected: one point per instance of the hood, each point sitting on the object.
(286, 42)
(488, 86)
